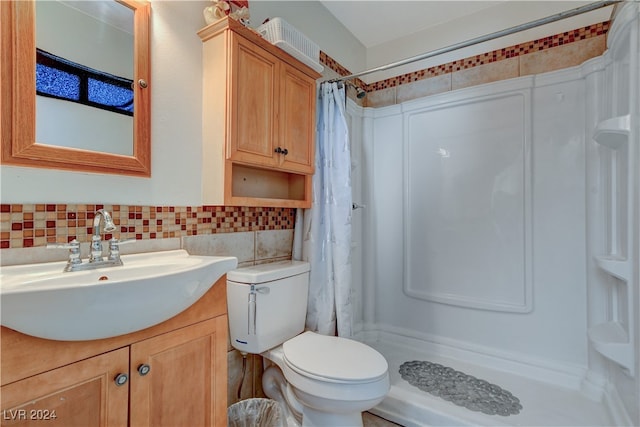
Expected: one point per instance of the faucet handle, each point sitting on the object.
(74, 244)
(114, 248)
(74, 251)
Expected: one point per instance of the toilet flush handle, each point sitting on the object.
(251, 324)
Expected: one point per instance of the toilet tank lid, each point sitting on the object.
(268, 272)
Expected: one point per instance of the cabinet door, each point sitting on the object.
(81, 394)
(297, 121)
(253, 109)
(186, 383)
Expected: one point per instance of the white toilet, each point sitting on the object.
(320, 380)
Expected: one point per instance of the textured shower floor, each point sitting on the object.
(543, 404)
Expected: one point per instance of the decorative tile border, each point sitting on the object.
(333, 64)
(31, 225)
(549, 42)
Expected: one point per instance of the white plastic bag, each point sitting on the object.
(255, 413)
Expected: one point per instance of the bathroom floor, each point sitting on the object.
(370, 420)
(543, 404)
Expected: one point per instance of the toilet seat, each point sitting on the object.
(334, 359)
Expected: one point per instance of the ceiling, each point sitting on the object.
(375, 22)
(401, 30)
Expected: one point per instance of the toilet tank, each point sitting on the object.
(267, 304)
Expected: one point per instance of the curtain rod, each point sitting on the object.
(542, 21)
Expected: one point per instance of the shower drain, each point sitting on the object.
(460, 388)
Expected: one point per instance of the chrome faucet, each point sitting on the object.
(96, 260)
(96, 240)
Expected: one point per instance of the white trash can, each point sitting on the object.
(255, 413)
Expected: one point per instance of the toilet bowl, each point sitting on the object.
(320, 380)
(334, 379)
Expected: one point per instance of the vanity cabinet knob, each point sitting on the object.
(144, 369)
(278, 150)
(121, 379)
(285, 151)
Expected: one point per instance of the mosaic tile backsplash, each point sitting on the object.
(32, 225)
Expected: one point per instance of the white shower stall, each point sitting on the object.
(499, 235)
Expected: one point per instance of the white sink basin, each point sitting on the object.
(43, 301)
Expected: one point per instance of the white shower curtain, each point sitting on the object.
(323, 237)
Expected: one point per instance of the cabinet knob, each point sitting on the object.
(121, 379)
(144, 369)
(278, 150)
(285, 151)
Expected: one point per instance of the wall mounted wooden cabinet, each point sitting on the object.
(76, 383)
(258, 120)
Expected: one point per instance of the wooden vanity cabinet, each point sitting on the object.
(176, 374)
(259, 108)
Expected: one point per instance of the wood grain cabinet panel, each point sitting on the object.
(298, 116)
(182, 386)
(254, 90)
(81, 394)
(259, 110)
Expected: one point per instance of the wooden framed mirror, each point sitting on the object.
(20, 146)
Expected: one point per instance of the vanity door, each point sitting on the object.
(92, 392)
(180, 378)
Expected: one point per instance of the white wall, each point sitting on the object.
(554, 331)
(315, 21)
(360, 250)
(613, 229)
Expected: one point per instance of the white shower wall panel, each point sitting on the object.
(551, 332)
(384, 151)
(466, 210)
(358, 249)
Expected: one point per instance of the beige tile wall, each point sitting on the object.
(562, 56)
(551, 59)
(421, 88)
